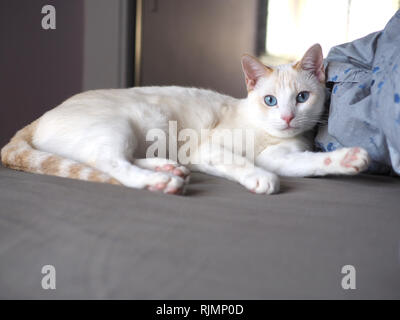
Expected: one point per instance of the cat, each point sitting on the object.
(100, 135)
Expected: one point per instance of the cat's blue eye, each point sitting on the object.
(302, 96)
(270, 101)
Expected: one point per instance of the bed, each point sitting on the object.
(217, 242)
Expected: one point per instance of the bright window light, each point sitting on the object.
(294, 25)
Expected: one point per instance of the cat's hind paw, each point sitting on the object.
(164, 165)
(349, 161)
(261, 182)
(174, 169)
(166, 183)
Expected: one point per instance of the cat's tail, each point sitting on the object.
(20, 154)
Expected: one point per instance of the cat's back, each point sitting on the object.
(171, 96)
(194, 108)
(191, 107)
(162, 96)
(143, 107)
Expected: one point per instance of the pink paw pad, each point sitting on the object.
(168, 167)
(178, 172)
(327, 161)
(161, 186)
(158, 187)
(172, 169)
(349, 158)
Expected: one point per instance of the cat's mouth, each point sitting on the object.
(288, 127)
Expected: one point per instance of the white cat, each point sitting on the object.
(101, 135)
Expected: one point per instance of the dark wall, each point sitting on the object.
(198, 43)
(38, 68)
(185, 42)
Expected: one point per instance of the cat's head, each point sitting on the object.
(286, 100)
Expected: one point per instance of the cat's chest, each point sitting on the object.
(299, 143)
(262, 141)
(249, 139)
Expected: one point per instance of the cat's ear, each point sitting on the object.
(253, 70)
(313, 61)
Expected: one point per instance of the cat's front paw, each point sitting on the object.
(348, 161)
(261, 182)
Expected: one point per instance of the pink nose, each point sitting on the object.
(288, 118)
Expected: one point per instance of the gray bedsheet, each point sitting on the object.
(365, 99)
(218, 242)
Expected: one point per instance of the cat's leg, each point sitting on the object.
(289, 160)
(210, 160)
(107, 144)
(135, 177)
(113, 155)
(163, 165)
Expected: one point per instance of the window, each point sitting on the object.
(294, 25)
